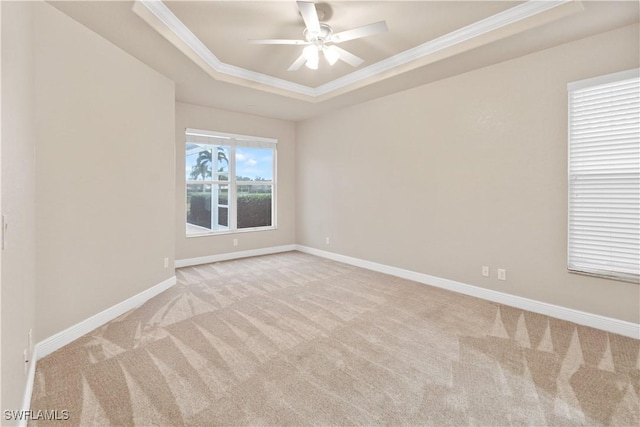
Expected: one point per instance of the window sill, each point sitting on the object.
(227, 232)
(621, 278)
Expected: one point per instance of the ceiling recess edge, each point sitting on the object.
(157, 15)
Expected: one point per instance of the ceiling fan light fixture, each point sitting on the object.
(310, 53)
(313, 64)
(312, 56)
(331, 54)
(317, 34)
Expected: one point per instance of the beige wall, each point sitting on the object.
(0, 204)
(193, 116)
(464, 172)
(18, 197)
(105, 173)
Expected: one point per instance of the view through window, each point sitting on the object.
(230, 182)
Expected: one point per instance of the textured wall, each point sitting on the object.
(18, 197)
(464, 172)
(105, 173)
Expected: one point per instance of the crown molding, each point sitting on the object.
(189, 40)
(449, 40)
(172, 28)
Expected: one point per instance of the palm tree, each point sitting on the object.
(203, 164)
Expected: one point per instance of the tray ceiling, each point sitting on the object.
(410, 25)
(427, 41)
(215, 36)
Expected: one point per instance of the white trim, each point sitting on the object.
(223, 232)
(74, 332)
(232, 183)
(461, 35)
(174, 25)
(193, 43)
(233, 255)
(225, 135)
(607, 78)
(615, 269)
(232, 194)
(62, 338)
(604, 323)
(26, 400)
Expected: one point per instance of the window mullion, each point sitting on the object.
(215, 221)
(203, 182)
(274, 177)
(233, 202)
(249, 149)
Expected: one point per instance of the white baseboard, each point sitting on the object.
(63, 338)
(608, 324)
(74, 332)
(233, 255)
(28, 390)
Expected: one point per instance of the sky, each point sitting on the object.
(250, 162)
(254, 162)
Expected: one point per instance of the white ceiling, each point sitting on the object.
(223, 28)
(409, 26)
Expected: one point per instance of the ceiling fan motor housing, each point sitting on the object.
(323, 36)
(318, 35)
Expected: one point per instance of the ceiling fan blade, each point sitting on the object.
(298, 63)
(348, 57)
(310, 16)
(278, 41)
(356, 33)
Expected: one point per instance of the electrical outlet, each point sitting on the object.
(485, 271)
(326, 240)
(235, 242)
(502, 274)
(166, 263)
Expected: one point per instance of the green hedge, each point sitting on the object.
(254, 210)
(199, 209)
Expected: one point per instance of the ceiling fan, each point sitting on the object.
(319, 37)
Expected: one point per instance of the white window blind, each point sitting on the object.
(604, 176)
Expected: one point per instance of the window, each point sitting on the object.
(604, 176)
(231, 183)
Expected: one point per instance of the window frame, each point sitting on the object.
(591, 270)
(234, 141)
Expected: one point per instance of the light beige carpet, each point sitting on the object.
(292, 339)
